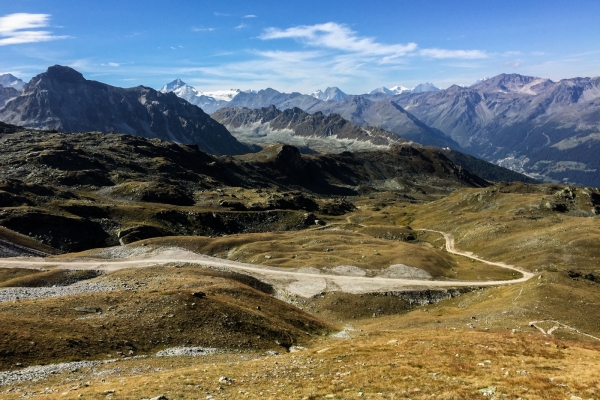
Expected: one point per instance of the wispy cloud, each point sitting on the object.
(203, 29)
(241, 26)
(24, 28)
(443, 53)
(249, 16)
(336, 36)
(111, 64)
(339, 37)
(218, 14)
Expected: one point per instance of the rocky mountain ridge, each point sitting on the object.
(309, 132)
(62, 99)
(547, 129)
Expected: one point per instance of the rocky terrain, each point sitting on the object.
(310, 132)
(62, 99)
(77, 191)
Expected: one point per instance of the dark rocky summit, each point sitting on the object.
(62, 99)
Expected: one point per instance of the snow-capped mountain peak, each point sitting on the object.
(172, 86)
(391, 91)
(330, 94)
(399, 89)
(9, 80)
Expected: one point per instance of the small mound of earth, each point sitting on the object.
(186, 351)
(401, 271)
(347, 270)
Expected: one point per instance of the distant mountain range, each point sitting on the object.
(359, 110)
(548, 130)
(62, 99)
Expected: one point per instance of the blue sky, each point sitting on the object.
(301, 46)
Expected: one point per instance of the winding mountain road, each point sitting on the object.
(297, 281)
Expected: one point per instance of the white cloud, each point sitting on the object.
(218, 14)
(24, 28)
(443, 53)
(249, 16)
(203, 29)
(340, 37)
(111, 64)
(241, 26)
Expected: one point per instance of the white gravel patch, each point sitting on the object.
(12, 294)
(401, 271)
(39, 372)
(187, 351)
(307, 287)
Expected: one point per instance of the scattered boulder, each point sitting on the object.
(576, 275)
(88, 309)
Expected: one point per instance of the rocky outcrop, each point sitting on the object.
(62, 99)
(320, 132)
(430, 296)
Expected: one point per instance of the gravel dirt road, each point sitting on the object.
(298, 282)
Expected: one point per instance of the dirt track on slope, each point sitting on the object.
(297, 282)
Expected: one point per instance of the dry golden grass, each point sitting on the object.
(333, 247)
(378, 362)
(153, 308)
(461, 348)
